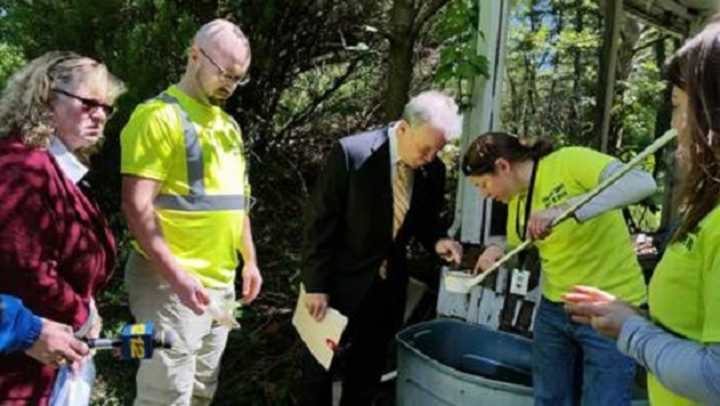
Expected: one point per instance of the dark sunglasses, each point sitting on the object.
(88, 104)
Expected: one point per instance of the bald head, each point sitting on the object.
(218, 62)
(225, 42)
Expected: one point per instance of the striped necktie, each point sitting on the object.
(401, 203)
(401, 195)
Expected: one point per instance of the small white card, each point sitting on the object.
(520, 282)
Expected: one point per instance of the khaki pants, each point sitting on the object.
(188, 373)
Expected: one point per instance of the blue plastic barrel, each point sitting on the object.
(450, 362)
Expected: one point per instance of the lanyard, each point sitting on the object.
(522, 233)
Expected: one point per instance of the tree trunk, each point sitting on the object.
(574, 116)
(631, 31)
(556, 58)
(407, 19)
(606, 78)
(400, 58)
(531, 77)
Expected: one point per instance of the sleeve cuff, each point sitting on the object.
(583, 212)
(627, 333)
(314, 285)
(92, 317)
(35, 329)
(30, 325)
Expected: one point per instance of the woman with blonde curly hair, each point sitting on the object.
(56, 249)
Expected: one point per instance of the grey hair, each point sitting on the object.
(435, 109)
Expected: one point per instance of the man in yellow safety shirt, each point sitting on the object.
(185, 195)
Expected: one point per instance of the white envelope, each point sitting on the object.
(321, 338)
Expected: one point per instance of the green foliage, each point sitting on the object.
(11, 58)
(142, 40)
(460, 62)
(551, 65)
(637, 108)
(552, 75)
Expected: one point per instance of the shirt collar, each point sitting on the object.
(198, 111)
(68, 162)
(394, 155)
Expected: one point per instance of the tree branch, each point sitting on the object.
(649, 44)
(310, 109)
(424, 14)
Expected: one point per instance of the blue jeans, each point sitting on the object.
(572, 362)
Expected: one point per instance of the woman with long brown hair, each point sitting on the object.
(680, 344)
(538, 184)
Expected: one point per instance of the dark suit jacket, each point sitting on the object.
(348, 231)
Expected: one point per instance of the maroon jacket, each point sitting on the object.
(56, 251)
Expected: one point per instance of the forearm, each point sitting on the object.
(319, 248)
(39, 284)
(323, 219)
(687, 368)
(19, 327)
(146, 230)
(630, 188)
(247, 248)
(31, 270)
(317, 263)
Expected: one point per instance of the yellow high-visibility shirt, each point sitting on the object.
(597, 252)
(205, 238)
(683, 295)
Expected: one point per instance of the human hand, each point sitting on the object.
(541, 223)
(599, 309)
(488, 258)
(316, 304)
(252, 282)
(191, 292)
(643, 245)
(449, 250)
(223, 312)
(57, 345)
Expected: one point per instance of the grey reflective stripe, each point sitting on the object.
(196, 200)
(193, 151)
(200, 203)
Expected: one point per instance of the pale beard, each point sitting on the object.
(217, 102)
(213, 99)
(219, 97)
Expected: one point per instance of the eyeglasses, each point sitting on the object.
(88, 104)
(236, 80)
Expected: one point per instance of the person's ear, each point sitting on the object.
(502, 166)
(194, 54)
(403, 127)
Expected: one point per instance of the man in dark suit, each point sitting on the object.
(378, 190)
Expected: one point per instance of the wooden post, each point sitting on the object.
(608, 66)
(484, 114)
